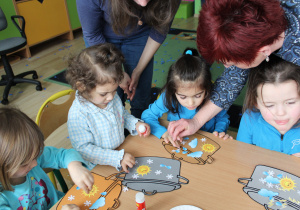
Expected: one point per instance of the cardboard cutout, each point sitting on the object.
(151, 175)
(195, 149)
(104, 195)
(273, 188)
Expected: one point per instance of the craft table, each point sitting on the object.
(211, 186)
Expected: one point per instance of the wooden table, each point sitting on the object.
(211, 186)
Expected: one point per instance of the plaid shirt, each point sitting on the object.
(96, 132)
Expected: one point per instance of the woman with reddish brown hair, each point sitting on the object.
(241, 34)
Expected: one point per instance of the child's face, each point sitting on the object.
(24, 170)
(101, 95)
(189, 95)
(279, 104)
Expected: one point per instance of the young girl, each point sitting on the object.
(188, 86)
(272, 107)
(23, 182)
(97, 117)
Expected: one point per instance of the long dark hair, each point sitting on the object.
(157, 13)
(190, 67)
(276, 70)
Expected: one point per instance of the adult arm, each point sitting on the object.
(226, 89)
(91, 18)
(150, 49)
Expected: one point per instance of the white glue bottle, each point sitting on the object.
(140, 201)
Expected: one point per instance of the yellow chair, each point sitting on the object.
(49, 118)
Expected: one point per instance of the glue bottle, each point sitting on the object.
(140, 201)
(143, 129)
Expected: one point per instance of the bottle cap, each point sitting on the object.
(140, 197)
(142, 128)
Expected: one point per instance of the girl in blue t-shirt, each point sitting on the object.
(187, 88)
(272, 107)
(23, 182)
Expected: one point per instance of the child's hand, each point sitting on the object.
(70, 207)
(81, 176)
(167, 138)
(296, 154)
(128, 160)
(222, 135)
(140, 127)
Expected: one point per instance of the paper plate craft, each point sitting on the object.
(195, 149)
(104, 195)
(151, 175)
(273, 188)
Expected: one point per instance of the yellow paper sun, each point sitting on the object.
(92, 192)
(208, 148)
(287, 184)
(143, 170)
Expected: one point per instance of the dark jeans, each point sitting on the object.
(132, 50)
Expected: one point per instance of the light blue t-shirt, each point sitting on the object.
(38, 192)
(255, 130)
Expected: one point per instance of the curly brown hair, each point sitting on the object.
(96, 65)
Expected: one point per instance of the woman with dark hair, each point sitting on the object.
(137, 28)
(241, 34)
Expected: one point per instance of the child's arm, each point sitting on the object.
(153, 113)
(128, 161)
(168, 138)
(245, 129)
(67, 158)
(221, 125)
(143, 129)
(70, 207)
(296, 154)
(81, 176)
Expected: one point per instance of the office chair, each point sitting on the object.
(10, 45)
(49, 118)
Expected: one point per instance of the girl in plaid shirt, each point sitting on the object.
(97, 117)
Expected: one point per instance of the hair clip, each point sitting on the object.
(189, 52)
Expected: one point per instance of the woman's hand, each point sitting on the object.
(70, 207)
(135, 77)
(222, 135)
(125, 85)
(81, 176)
(167, 138)
(143, 125)
(128, 161)
(182, 127)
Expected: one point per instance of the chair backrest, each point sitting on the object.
(51, 116)
(3, 21)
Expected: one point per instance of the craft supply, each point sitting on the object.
(140, 201)
(142, 129)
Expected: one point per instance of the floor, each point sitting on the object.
(47, 59)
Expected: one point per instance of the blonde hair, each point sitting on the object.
(21, 141)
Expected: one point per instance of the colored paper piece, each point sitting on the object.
(195, 154)
(99, 203)
(104, 194)
(194, 143)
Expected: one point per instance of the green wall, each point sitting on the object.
(9, 10)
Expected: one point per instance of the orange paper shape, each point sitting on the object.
(195, 149)
(105, 193)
